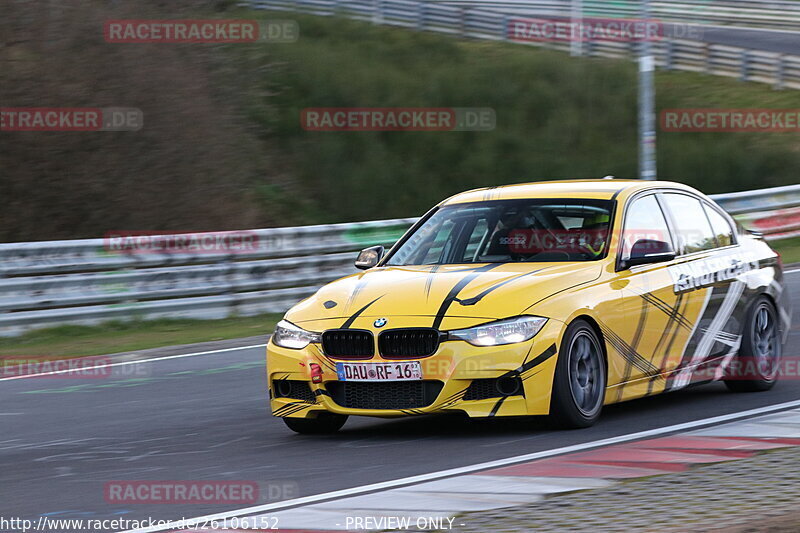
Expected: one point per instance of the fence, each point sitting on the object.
(479, 20)
(773, 212)
(84, 282)
(773, 14)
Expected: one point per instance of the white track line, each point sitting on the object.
(792, 271)
(125, 363)
(463, 470)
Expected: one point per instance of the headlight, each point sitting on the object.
(288, 335)
(502, 332)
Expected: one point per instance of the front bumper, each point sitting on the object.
(455, 365)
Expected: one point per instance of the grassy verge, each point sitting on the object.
(116, 337)
(226, 138)
(789, 250)
(557, 117)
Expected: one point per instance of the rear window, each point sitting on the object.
(722, 228)
(694, 232)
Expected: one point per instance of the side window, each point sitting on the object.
(721, 226)
(644, 220)
(439, 245)
(476, 238)
(694, 231)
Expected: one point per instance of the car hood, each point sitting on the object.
(486, 291)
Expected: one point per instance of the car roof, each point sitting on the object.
(598, 189)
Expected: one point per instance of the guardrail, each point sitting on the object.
(89, 281)
(773, 212)
(478, 20)
(773, 14)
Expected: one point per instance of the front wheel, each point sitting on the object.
(756, 366)
(579, 385)
(324, 423)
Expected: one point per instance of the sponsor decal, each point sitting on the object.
(366, 237)
(706, 272)
(531, 241)
(777, 221)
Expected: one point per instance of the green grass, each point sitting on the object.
(789, 250)
(226, 137)
(557, 117)
(113, 337)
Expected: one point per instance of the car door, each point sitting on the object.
(653, 320)
(704, 275)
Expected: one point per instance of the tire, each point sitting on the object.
(760, 352)
(324, 423)
(579, 385)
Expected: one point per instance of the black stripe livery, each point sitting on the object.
(453, 294)
(349, 321)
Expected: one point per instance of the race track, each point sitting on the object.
(206, 418)
(783, 42)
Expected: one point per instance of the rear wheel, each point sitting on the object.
(579, 385)
(322, 424)
(756, 367)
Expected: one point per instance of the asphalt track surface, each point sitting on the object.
(784, 42)
(206, 418)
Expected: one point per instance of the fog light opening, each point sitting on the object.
(508, 386)
(282, 388)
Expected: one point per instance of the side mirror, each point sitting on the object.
(646, 251)
(369, 257)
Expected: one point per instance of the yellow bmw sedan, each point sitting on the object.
(550, 298)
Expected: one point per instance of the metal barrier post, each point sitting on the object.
(670, 55)
(744, 72)
(780, 72)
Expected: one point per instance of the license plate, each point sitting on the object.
(406, 371)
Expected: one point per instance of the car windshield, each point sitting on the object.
(505, 231)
